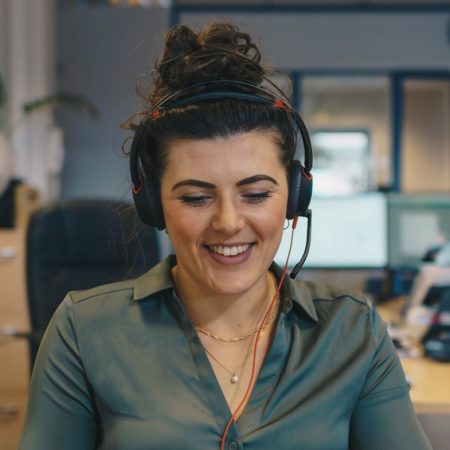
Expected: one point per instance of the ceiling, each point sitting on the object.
(262, 3)
(315, 2)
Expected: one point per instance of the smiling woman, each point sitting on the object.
(214, 348)
(225, 219)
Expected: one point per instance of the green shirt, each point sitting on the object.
(122, 368)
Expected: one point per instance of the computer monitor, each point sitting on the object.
(417, 224)
(347, 232)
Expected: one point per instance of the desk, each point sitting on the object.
(430, 385)
(430, 380)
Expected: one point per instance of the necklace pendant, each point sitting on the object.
(234, 378)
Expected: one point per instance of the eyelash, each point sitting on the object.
(197, 201)
(193, 200)
(258, 197)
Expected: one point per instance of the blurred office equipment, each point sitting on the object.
(418, 226)
(69, 245)
(436, 341)
(417, 223)
(348, 232)
(8, 203)
(430, 284)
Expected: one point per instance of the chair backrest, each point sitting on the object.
(74, 245)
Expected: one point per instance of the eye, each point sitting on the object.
(257, 197)
(194, 200)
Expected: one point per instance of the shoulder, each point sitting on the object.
(88, 309)
(150, 284)
(329, 295)
(120, 302)
(119, 289)
(326, 296)
(352, 310)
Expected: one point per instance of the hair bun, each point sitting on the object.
(227, 36)
(179, 41)
(220, 51)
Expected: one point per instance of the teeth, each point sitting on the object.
(229, 251)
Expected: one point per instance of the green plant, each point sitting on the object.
(76, 102)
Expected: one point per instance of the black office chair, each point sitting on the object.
(74, 245)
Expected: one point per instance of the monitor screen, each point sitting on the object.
(417, 225)
(347, 232)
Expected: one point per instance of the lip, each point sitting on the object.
(230, 260)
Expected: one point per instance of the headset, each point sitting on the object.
(146, 192)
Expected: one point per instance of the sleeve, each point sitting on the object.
(384, 417)
(61, 413)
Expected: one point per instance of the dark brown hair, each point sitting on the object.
(220, 51)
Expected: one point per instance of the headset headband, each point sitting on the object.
(191, 95)
(206, 87)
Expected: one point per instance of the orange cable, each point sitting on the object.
(258, 335)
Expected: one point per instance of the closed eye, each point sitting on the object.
(257, 197)
(194, 200)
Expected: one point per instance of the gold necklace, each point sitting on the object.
(235, 378)
(244, 336)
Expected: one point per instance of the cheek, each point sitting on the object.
(272, 221)
(183, 226)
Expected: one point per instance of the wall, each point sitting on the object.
(3, 55)
(101, 53)
(374, 40)
(426, 157)
(26, 63)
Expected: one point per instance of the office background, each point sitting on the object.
(372, 75)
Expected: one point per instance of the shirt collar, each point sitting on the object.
(297, 292)
(159, 278)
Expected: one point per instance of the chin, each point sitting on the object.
(232, 283)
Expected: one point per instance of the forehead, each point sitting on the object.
(232, 156)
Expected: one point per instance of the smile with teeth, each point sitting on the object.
(229, 250)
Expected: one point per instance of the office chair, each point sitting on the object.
(73, 245)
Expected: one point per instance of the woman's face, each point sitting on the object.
(224, 202)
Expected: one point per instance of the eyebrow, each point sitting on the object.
(197, 183)
(204, 184)
(256, 178)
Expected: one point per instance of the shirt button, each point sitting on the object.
(233, 445)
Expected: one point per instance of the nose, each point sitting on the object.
(228, 219)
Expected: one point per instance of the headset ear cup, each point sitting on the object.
(300, 190)
(148, 205)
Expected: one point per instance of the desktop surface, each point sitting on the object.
(429, 379)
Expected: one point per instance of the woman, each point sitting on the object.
(214, 348)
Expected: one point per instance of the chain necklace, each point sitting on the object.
(234, 376)
(244, 336)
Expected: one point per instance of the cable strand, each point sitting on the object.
(255, 347)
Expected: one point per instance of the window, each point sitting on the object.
(341, 162)
(348, 118)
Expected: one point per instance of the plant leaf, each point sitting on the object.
(76, 102)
